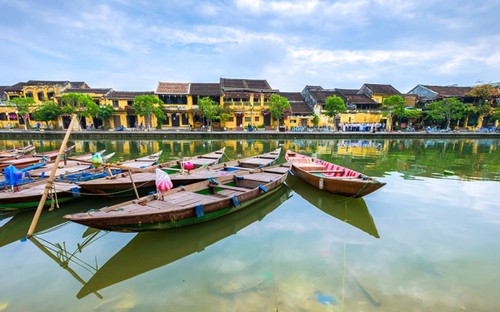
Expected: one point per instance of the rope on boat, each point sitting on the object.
(53, 196)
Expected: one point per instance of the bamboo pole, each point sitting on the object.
(133, 184)
(50, 181)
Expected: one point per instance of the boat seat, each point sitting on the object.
(228, 187)
(309, 166)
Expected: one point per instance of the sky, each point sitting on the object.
(131, 45)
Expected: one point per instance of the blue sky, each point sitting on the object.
(131, 45)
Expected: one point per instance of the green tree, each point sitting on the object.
(278, 108)
(146, 106)
(396, 104)
(446, 110)
(208, 110)
(80, 104)
(315, 120)
(485, 93)
(23, 107)
(160, 116)
(496, 113)
(334, 105)
(48, 111)
(105, 113)
(469, 109)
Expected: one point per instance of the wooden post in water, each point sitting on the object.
(48, 186)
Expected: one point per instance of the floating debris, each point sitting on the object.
(324, 299)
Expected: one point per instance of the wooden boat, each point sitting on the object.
(29, 195)
(124, 184)
(142, 162)
(330, 177)
(17, 151)
(52, 155)
(76, 164)
(353, 211)
(158, 249)
(191, 204)
(13, 177)
(231, 167)
(22, 162)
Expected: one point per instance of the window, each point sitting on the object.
(248, 119)
(29, 94)
(115, 103)
(41, 97)
(3, 116)
(257, 118)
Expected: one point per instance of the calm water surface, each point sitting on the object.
(427, 241)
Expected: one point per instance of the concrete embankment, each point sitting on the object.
(236, 135)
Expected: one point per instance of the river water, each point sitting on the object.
(426, 241)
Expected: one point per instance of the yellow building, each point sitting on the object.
(246, 99)
(360, 108)
(39, 90)
(124, 114)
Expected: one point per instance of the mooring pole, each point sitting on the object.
(48, 186)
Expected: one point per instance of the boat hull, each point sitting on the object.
(352, 188)
(14, 201)
(197, 203)
(330, 177)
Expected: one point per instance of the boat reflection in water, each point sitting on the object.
(350, 210)
(16, 228)
(151, 250)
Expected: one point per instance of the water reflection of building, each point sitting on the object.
(361, 147)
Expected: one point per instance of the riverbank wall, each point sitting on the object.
(236, 135)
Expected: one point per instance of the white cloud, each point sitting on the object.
(290, 43)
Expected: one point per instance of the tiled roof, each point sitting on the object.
(297, 103)
(347, 91)
(127, 95)
(244, 85)
(101, 91)
(45, 83)
(309, 87)
(78, 84)
(360, 99)
(205, 89)
(450, 91)
(173, 88)
(18, 87)
(382, 88)
(321, 95)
